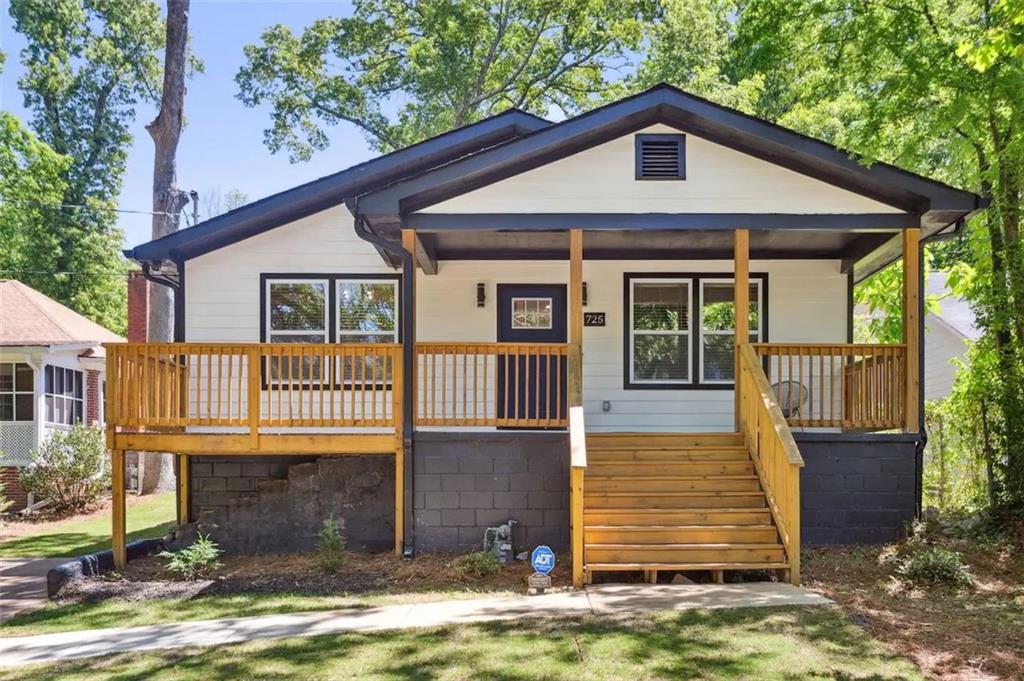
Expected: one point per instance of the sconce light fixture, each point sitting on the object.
(584, 294)
(481, 294)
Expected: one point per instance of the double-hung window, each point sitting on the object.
(681, 329)
(64, 396)
(718, 328)
(17, 392)
(330, 309)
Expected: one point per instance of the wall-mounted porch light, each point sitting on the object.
(481, 294)
(584, 294)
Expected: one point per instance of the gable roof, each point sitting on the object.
(954, 311)
(27, 317)
(938, 204)
(331, 190)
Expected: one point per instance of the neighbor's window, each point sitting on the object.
(296, 313)
(659, 330)
(17, 392)
(718, 327)
(64, 395)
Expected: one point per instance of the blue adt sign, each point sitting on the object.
(543, 559)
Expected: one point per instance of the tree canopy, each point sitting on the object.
(404, 71)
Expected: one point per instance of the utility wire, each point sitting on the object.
(77, 206)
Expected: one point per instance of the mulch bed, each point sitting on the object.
(975, 633)
(363, 573)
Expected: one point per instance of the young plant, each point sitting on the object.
(330, 545)
(934, 566)
(195, 560)
(479, 564)
(5, 503)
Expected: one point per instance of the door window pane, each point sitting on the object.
(531, 313)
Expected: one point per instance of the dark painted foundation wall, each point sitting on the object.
(854, 488)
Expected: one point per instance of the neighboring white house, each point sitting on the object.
(947, 332)
(51, 374)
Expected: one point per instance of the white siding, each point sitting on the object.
(718, 180)
(942, 345)
(222, 288)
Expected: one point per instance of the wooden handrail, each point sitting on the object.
(492, 384)
(774, 452)
(844, 385)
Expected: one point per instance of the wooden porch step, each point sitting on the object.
(685, 553)
(679, 534)
(675, 440)
(657, 483)
(670, 468)
(611, 567)
(670, 455)
(676, 516)
(661, 500)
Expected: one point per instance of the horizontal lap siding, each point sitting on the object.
(718, 180)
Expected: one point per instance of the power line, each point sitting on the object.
(78, 206)
(71, 273)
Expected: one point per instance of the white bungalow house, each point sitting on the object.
(529, 320)
(52, 369)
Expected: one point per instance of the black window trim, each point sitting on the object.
(332, 279)
(695, 279)
(639, 139)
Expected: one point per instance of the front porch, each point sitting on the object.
(643, 501)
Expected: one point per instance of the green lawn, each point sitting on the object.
(790, 644)
(150, 517)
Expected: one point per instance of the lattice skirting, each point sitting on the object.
(17, 440)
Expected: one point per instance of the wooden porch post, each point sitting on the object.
(118, 533)
(577, 439)
(912, 327)
(183, 472)
(741, 298)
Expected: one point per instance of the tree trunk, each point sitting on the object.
(157, 469)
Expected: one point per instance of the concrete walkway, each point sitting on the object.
(605, 599)
(23, 584)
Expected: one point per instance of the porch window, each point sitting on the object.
(296, 313)
(64, 396)
(718, 328)
(367, 313)
(680, 329)
(17, 392)
(659, 329)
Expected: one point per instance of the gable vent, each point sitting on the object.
(661, 157)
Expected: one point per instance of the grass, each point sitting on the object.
(150, 517)
(792, 643)
(55, 617)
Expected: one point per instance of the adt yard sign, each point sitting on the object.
(543, 559)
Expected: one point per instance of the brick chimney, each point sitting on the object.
(138, 307)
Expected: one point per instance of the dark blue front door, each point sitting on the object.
(531, 386)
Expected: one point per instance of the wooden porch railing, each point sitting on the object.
(253, 385)
(848, 386)
(492, 384)
(774, 452)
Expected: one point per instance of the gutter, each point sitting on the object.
(408, 360)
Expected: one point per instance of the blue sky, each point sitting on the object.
(222, 145)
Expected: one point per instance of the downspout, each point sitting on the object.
(408, 360)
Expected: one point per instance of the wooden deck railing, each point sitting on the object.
(492, 384)
(848, 386)
(253, 386)
(774, 452)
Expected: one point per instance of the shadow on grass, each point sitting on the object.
(70, 544)
(790, 643)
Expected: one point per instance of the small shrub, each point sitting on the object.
(69, 469)
(196, 560)
(479, 564)
(5, 503)
(330, 545)
(934, 566)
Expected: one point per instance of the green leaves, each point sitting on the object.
(402, 72)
